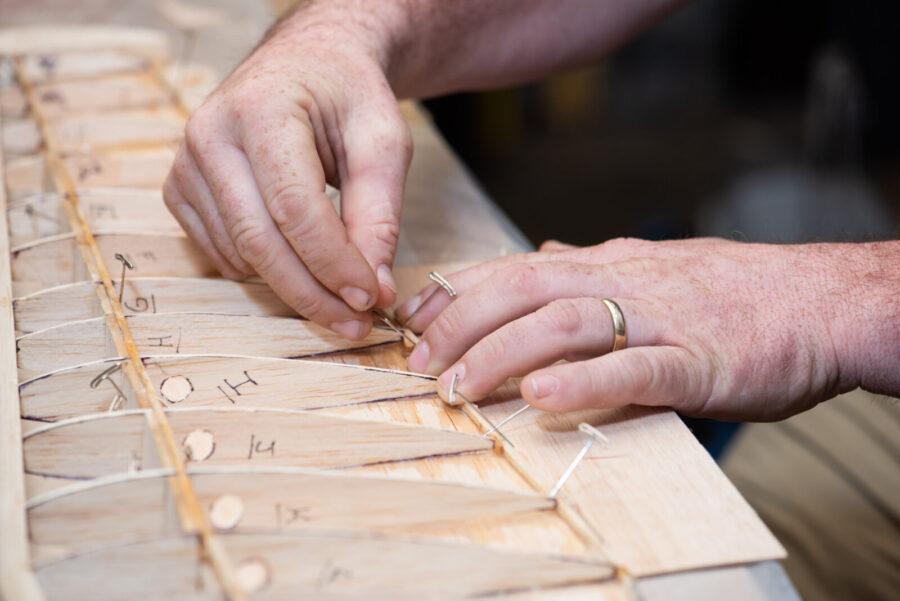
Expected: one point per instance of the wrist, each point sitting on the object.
(865, 316)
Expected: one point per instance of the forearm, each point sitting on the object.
(431, 47)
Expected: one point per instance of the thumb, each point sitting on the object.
(378, 147)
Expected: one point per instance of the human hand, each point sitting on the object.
(715, 328)
(311, 105)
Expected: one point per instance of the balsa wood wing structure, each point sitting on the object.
(189, 437)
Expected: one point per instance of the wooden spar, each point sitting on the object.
(187, 333)
(192, 518)
(98, 445)
(110, 129)
(146, 295)
(222, 381)
(16, 579)
(41, 215)
(132, 507)
(334, 566)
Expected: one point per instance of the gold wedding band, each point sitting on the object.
(621, 334)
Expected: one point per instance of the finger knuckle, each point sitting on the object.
(563, 316)
(254, 246)
(447, 325)
(521, 279)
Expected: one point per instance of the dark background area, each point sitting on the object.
(748, 119)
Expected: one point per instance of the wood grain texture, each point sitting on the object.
(16, 579)
(54, 261)
(148, 295)
(656, 496)
(92, 446)
(41, 215)
(128, 508)
(87, 48)
(335, 566)
(222, 381)
(186, 333)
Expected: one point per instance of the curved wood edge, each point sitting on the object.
(17, 581)
(339, 565)
(151, 43)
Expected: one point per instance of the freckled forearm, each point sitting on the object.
(430, 47)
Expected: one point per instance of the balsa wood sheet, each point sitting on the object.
(189, 437)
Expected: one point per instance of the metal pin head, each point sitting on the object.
(440, 281)
(443, 283)
(451, 396)
(594, 433)
(126, 262)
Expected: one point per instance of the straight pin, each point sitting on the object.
(594, 434)
(442, 283)
(387, 321)
(125, 263)
(505, 421)
(105, 375)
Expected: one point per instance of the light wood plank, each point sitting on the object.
(92, 446)
(54, 261)
(115, 92)
(20, 137)
(73, 302)
(121, 509)
(656, 496)
(219, 381)
(16, 579)
(118, 128)
(335, 567)
(80, 342)
(42, 215)
(81, 47)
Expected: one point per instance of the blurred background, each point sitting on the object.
(747, 119)
(752, 119)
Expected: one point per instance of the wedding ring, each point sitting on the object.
(620, 333)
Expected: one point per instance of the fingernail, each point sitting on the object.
(544, 385)
(408, 307)
(352, 329)
(357, 298)
(446, 378)
(419, 358)
(386, 277)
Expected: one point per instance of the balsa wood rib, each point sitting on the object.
(88, 447)
(147, 295)
(134, 507)
(222, 382)
(80, 342)
(334, 566)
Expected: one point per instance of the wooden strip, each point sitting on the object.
(192, 517)
(92, 446)
(77, 42)
(335, 566)
(55, 261)
(116, 92)
(218, 381)
(16, 579)
(80, 342)
(118, 128)
(74, 302)
(129, 508)
(42, 215)
(20, 137)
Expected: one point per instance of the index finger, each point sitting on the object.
(282, 152)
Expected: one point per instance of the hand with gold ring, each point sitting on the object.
(714, 328)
